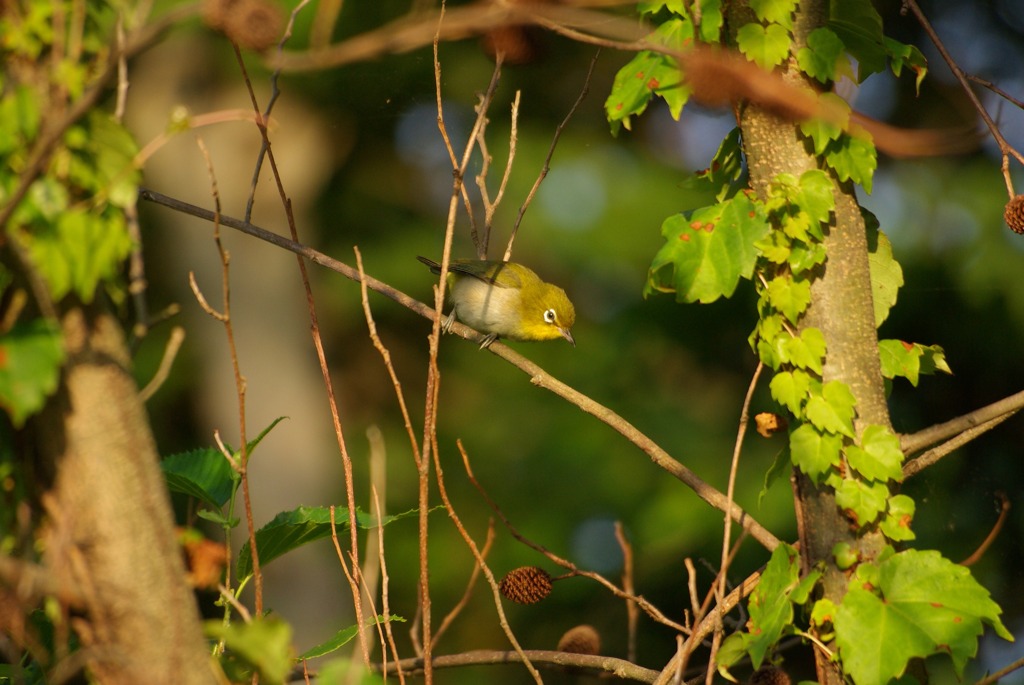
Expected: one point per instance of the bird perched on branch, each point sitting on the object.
(505, 300)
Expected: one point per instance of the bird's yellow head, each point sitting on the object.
(545, 313)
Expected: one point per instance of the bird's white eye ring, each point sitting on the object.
(549, 315)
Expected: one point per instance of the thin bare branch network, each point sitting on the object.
(720, 586)
(420, 29)
(242, 465)
(474, 576)
(481, 563)
(977, 419)
(350, 500)
(649, 608)
(1005, 149)
(537, 375)
(618, 668)
(551, 152)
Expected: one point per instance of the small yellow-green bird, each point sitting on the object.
(505, 300)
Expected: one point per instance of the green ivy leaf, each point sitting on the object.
(203, 473)
(900, 514)
(775, 11)
(900, 359)
(764, 339)
(766, 46)
(31, 355)
(775, 247)
(886, 275)
(859, 26)
(903, 55)
(722, 179)
(79, 250)
(812, 452)
(790, 389)
(933, 359)
(833, 409)
(823, 131)
(649, 74)
(291, 529)
(344, 636)
(711, 21)
(790, 296)
(816, 196)
(771, 607)
(853, 158)
(863, 500)
(708, 252)
(823, 613)
(819, 59)
(806, 351)
(878, 457)
(264, 644)
(655, 6)
(919, 604)
(805, 257)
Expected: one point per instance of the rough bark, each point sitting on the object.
(110, 530)
(841, 308)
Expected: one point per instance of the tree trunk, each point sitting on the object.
(111, 529)
(841, 308)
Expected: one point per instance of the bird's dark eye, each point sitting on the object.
(549, 315)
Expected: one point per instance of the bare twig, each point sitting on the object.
(242, 466)
(1004, 510)
(163, 371)
(482, 563)
(470, 585)
(1001, 673)
(913, 442)
(639, 600)
(997, 90)
(385, 598)
(547, 160)
(230, 598)
(421, 29)
(720, 586)
(350, 498)
(926, 459)
(674, 668)
(628, 586)
(386, 356)
(136, 275)
(275, 92)
(1005, 149)
(611, 666)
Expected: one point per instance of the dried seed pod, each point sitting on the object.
(252, 24)
(769, 675)
(583, 639)
(769, 423)
(1014, 214)
(526, 585)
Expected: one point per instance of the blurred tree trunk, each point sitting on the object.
(111, 533)
(841, 308)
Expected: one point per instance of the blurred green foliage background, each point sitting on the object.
(363, 159)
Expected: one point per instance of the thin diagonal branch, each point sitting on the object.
(538, 376)
(1005, 149)
(914, 442)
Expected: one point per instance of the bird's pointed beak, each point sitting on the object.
(567, 335)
